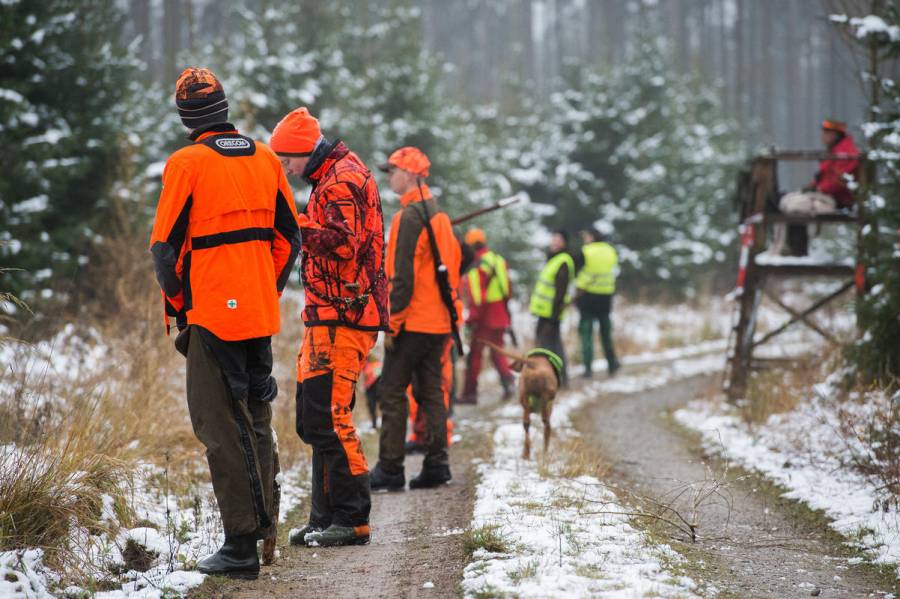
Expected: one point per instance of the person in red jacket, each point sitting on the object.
(223, 243)
(828, 192)
(833, 174)
(342, 270)
(486, 288)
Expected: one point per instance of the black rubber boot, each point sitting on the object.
(431, 476)
(297, 538)
(379, 480)
(237, 558)
(335, 535)
(508, 388)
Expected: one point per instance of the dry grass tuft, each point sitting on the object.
(777, 391)
(571, 457)
(489, 537)
(70, 445)
(67, 478)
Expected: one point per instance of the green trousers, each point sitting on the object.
(236, 431)
(596, 307)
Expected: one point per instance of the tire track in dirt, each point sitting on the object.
(753, 543)
(416, 538)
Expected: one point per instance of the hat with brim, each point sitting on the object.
(408, 158)
(834, 125)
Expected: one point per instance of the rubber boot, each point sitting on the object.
(237, 558)
(297, 538)
(336, 535)
(379, 480)
(431, 476)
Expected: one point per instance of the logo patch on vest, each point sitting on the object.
(232, 304)
(233, 143)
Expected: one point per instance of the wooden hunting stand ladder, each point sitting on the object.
(757, 194)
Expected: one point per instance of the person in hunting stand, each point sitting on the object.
(828, 192)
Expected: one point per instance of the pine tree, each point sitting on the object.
(363, 70)
(62, 79)
(877, 353)
(646, 155)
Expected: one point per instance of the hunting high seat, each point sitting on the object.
(757, 197)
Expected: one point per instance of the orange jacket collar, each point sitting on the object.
(206, 134)
(414, 195)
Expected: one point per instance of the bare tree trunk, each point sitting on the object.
(767, 78)
(171, 38)
(723, 48)
(527, 40)
(189, 21)
(791, 84)
(738, 68)
(141, 13)
(615, 24)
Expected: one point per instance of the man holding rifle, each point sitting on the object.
(423, 259)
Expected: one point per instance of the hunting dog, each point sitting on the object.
(538, 384)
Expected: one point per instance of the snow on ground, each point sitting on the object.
(174, 538)
(555, 548)
(176, 527)
(805, 452)
(44, 371)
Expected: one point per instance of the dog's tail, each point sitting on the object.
(504, 351)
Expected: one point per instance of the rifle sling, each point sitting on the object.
(442, 281)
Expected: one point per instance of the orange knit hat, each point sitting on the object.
(408, 158)
(474, 236)
(834, 125)
(297, 134)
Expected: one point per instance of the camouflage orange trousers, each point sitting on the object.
(328, 366)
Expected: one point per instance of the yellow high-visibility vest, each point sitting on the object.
(544, 295)
(598, 275)
(494, 266)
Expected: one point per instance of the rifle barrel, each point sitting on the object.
(500, 204)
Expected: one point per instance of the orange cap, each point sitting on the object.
(474, 236)
(408, 158)
(297, 134)
(833, 125)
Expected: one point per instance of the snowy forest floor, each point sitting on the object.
(751, 541)
(605, 513)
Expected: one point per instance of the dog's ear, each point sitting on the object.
(517, 365)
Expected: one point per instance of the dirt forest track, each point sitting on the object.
(416, 539)
(751, 543)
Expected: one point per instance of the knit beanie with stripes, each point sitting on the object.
(200, 98)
